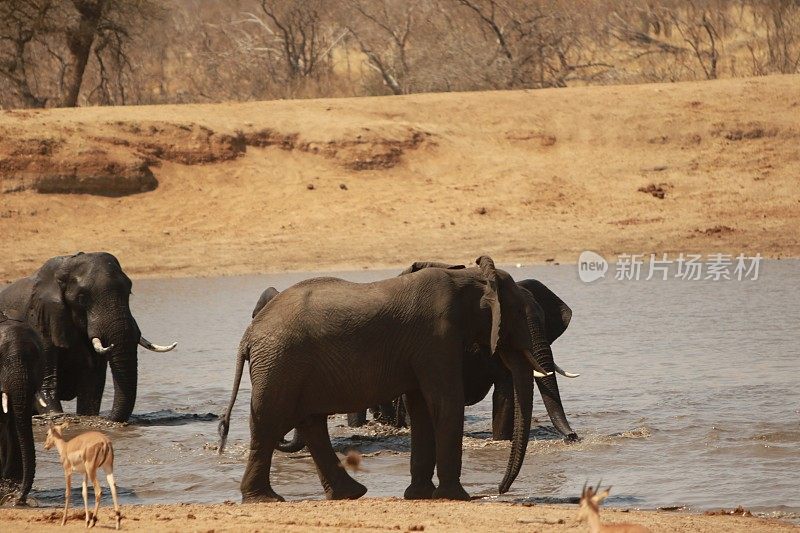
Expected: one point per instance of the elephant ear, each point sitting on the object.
(419, 265)
(556, 313)
(491, 298)
(265, 298)
(47, 310)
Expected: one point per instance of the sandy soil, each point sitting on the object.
(375, 515)
(525, 176)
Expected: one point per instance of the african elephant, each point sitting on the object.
(79, 305)
(20, 377)
(327, 346)
(481, 371)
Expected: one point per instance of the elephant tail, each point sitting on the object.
(225, 420)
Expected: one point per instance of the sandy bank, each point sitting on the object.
(525, 176)
(375, 515)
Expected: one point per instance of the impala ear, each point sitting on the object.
(491, 298)
(600, 496)
(419, 265)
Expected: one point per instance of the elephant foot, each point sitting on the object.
(358, 419)
(268, 496)
(420, 491)
(572, 437)
(451, 491)
(346, 490)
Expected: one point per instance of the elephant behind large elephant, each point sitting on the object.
(20, 377)
(330, 346)
(79, 305)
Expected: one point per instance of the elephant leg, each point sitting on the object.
(357, 419)
(266, 429)
(444, 396)
(336, 482)
(423, 449)
(90, 389)
(503, 408)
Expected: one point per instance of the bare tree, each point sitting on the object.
(382, 30)
(21, 21)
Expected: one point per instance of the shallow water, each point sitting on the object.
(688, 397)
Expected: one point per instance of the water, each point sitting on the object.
(688, 397)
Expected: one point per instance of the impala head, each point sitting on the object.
(591, 499)
(54, 432)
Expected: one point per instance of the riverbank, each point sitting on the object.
(342, 184)
(376, 515)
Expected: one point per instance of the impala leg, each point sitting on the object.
(98, 493)
(113, 486)
(85, 492)
(68, 478)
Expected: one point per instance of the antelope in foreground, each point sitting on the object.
(85, 453)
(590, 511)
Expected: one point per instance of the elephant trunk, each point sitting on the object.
(124, 371)
(117, 331)
(523, 405)
(548, 385)
(21, 403)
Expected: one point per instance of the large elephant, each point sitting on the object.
(327, 346)
(20, 377)
(79, 305)
(481, 371)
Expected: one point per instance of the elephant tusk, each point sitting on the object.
(42, 402)
(98, 346)
(155, 347)
(564, 372)
(537, 368)
(5, 402)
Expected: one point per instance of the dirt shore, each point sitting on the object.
(526, 176)
(376, 515)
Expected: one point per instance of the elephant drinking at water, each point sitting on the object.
(328, 346)
(79, 305)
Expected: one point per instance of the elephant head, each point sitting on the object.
(548, 314)
(81, 303)
(20, 376)
(519, 347)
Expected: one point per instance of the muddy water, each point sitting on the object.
(688, 396)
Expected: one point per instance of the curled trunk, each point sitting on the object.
(548, 386)
(291, 446)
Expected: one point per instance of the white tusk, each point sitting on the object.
(564, 372)
(5, 402)
(98, 346)
(536, 365)
(42, 402)
(155, 347)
